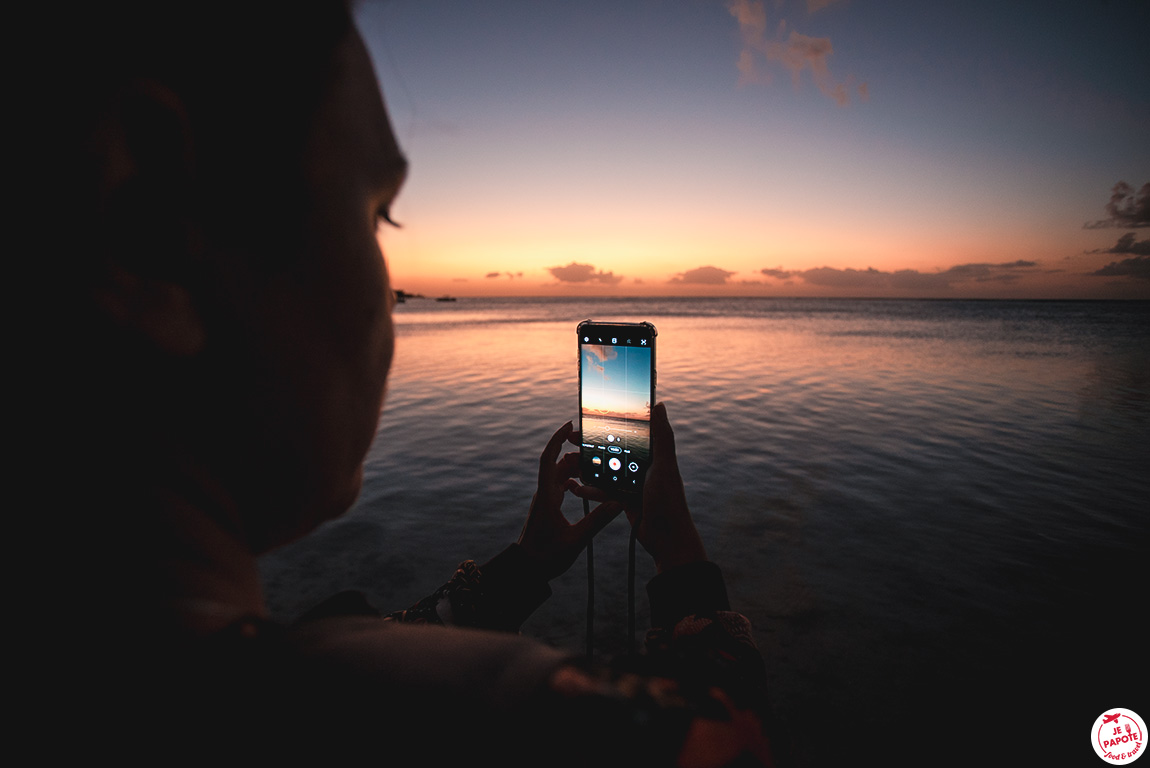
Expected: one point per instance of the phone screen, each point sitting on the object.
(616, 391)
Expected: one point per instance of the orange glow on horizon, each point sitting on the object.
(651, 263)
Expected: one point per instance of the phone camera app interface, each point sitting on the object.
(616, 412)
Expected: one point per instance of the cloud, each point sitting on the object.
(493, 274)
(583, 273)
(1137, 267)
(602, 352)
(986, 273)
(1127, 244)
(1127, 208)
(509, 275)
(598, 355)
(778, 273)
(747, 71)
(752, 18)
(853, 278)
(905, 279)
(703, 276)
(796, 51)
(800, 52)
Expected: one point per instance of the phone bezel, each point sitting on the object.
(584, 327)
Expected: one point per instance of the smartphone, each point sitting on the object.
(616, 392)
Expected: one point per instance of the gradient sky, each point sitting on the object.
(616, 380)
(798, 147)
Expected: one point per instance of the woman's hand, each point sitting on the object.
(664, 526)
(547, 537)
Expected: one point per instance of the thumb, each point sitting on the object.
(662, 437)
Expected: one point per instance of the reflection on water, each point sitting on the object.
(911, 500)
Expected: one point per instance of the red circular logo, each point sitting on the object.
(1119, 736)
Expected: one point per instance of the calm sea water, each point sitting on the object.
(919, 504)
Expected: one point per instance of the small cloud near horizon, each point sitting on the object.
(510, 275)
(702, 276)
(1127, 244)
(1137, 267)
(583, 273)
(906, 279)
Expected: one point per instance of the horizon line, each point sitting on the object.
(632, 297)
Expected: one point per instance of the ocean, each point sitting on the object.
(928, 509)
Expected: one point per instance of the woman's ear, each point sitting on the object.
(149, 252)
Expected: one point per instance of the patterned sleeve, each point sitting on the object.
(678, 719)
(696, 697)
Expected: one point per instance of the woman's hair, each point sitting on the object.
(249, 78)
(241, 82)
(245, 63)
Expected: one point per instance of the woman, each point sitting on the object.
(227, 303)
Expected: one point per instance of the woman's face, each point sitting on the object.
(319, 327)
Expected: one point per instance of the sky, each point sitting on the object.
(776, 148)
(616, 380)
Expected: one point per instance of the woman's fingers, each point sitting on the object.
(662, 437)
(568, 466)
(554, 445)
